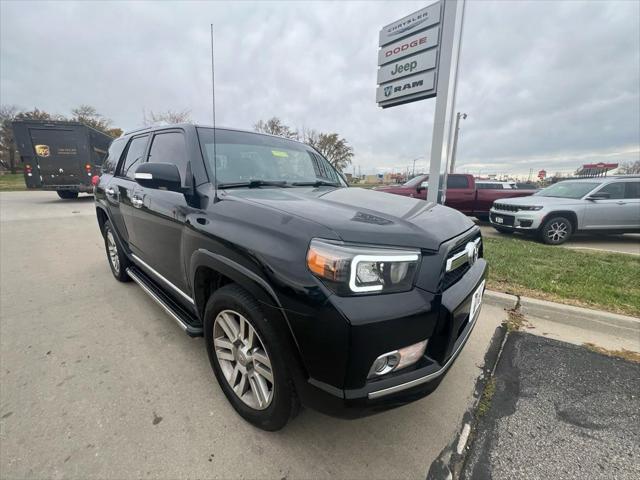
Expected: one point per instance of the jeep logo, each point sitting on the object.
(407, 67)
(398, 88)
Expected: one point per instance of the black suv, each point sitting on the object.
(347, 300)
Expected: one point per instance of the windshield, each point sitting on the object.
(415, 181)
(568, 189)
(250, 158)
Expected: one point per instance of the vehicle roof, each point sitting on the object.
(601, 179)
(67, 123)
(198, 125)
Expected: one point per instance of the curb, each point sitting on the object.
(585, 318)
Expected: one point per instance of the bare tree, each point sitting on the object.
(335, 149)
(166, 117)
(8, 114)
(630, 167)
(274, 126)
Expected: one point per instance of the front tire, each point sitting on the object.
(67, 194)
(556, 231)
(118, 261)
(247, 358)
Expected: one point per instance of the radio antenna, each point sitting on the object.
(213, 113)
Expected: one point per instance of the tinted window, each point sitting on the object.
(457, 181)
(632, 190)
(134, 156)
(615, 190)
(170, 148)
(242, 157)
(113, 157)
(567, 189)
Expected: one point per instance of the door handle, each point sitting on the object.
(620, 202)
(111, 192)
(137, 202)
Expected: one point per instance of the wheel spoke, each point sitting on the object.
(229, 325)
(234, 376)
(260, 389)
(260, 357)
(263, 372)
(241, 388)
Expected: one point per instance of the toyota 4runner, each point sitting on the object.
(346, 300)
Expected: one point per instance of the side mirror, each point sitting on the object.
(599, 196)
(422, 186)
(162, 176)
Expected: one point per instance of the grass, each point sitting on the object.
(12, 182)
(607, 281)
(487, 396)
(624, 353)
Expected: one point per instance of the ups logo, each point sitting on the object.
(42, 150)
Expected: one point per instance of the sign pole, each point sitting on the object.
(446, 82)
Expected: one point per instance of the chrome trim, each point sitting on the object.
(461, 258)
(143, 176)
(158, 300)
(167, 282)
(431, 376)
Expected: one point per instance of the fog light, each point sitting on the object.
(397, 359)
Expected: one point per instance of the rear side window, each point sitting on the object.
(134, 157)
(113, 157)
(170, 148)
(632, 190)
(615, 190)
(457, 181)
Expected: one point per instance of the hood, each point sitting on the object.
(538, 200)
(363, 216)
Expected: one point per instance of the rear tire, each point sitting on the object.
(118, 261)
(556, 231)
(67, 194)
(248, 359)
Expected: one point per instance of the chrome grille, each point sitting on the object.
(505, 208)
(457, 264)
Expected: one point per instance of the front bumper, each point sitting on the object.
(445, 321)
(525, 220)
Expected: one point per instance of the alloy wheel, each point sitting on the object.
(243, 359)
(113, 251)
(557, 231)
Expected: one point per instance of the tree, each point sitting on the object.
(89, 116)
(335, 149)
(630, 167)
(274, 126)
(8, 114)
(168, 117)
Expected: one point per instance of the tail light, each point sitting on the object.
(27, 168)
(88, 168)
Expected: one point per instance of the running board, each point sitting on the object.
(182, 317)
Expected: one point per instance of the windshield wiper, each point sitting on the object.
(254, 184)
(317, 183)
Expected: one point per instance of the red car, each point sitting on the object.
(462, 193)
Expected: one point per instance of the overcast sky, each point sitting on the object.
(546, 84)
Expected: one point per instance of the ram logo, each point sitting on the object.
(388, 90)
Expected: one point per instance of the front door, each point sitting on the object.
(161, 216)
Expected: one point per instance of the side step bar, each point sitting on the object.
(183, 318)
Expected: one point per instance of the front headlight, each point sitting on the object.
(530, 208)
(349, 270)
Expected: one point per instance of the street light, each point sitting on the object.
(414, 165)
(455, 141)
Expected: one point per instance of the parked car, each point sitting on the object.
(606, 205)
(347, 300)
(60, 156)
(462, 193)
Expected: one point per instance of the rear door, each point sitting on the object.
(58, 155)
(632, 204)
(612, 212)
(161, 214)
(120, 190)
(460, 195)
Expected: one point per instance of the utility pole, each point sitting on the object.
(454, 149)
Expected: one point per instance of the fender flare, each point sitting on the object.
(247, 279)
(119, 241)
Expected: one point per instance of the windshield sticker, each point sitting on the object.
(279, 153)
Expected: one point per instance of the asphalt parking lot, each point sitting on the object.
(97, 382)
(559, 411)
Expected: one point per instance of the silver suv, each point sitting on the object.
(607, 204)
